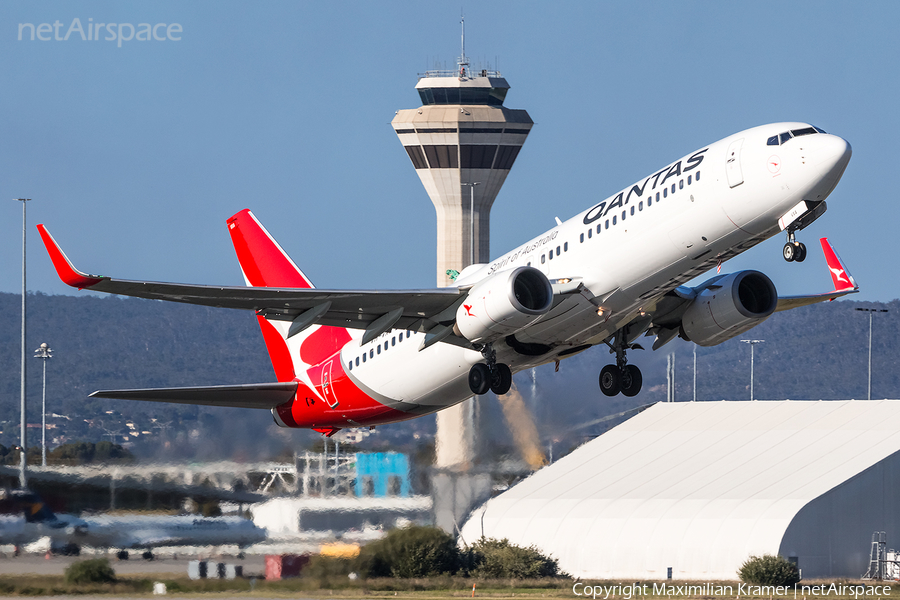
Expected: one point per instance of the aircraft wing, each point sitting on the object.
(254, 395)
(357, 309)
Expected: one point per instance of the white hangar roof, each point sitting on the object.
(699, 487)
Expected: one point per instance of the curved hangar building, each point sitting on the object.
(700, 487)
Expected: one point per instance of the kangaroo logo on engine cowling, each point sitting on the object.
(468, 308)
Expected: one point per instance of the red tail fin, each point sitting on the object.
(265, 264)
(263, 261)
(841, 277)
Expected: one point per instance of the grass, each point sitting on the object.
(341, 587)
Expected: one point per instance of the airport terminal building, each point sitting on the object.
(699, 487)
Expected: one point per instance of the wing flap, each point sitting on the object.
(251, 395)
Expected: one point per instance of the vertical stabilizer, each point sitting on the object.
(265, 264)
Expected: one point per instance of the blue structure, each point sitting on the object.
(382, 474)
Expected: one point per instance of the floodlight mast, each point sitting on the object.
(23, 482)
(871, 312)
(752, 344)
(44, 352)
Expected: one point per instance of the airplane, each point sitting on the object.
(612, 273)
(67, 533)
(24, 519)
(147, 532)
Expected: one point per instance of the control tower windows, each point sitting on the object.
(441, 157)
(481, 95)
(477, 157)
(416, 156)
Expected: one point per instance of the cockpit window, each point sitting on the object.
(777, 140)
(804, 131)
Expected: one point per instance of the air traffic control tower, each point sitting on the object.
(462, 142)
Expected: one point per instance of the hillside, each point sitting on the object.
(817, 352)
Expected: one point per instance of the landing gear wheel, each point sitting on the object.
(789, 252)
(501, 379)
(479, 379)
(610, 380)
(631, 380)
(801, 252)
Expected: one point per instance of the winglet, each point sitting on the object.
(841, 277)
(68, 273)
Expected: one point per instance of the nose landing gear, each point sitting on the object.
(794, 251)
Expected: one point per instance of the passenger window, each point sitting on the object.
(681, 184)
(379, 348)
(607, 224)
(697, 176)
(364, 357)
(623, 214)
(529, 264)
(649, 202)
(385, 345)
(582, 238)
(408, 333)
(357, 361)
(632, 211)
(591, 232)
(350, 366)
(673, 188)
(657, 196)
(772, 141)
(689, 180)
(614, 219)
(543, 259)
(371, 354)
(566, 246)
(393, 341)
(665, 193)
(599, 224)
(557, 250)
(640, 206)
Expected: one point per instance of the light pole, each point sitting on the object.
(23, 482)
(752, 344)
(695, 372)
(871, 312)
(44, 352)
(472, 220)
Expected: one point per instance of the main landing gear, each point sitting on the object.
(493, 376)
(620, 377)
(794, 251)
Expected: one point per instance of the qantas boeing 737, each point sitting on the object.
(361, 358)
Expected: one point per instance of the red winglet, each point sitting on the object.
(69, 274)
(841, 277)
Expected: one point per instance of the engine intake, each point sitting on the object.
(503, 304)
(729, 307)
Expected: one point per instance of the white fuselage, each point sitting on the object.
(627, 250)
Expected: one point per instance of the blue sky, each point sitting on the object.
(135, 155)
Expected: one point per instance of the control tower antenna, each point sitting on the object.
(463, 61)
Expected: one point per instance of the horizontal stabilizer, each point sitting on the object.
(251, 395)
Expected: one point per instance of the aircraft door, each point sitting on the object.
(733, 163)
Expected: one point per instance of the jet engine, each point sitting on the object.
(504, 303)
(728, 307)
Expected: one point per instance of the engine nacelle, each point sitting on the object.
(729, 307)
(504, 303)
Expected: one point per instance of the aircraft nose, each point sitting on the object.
(831, 153)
